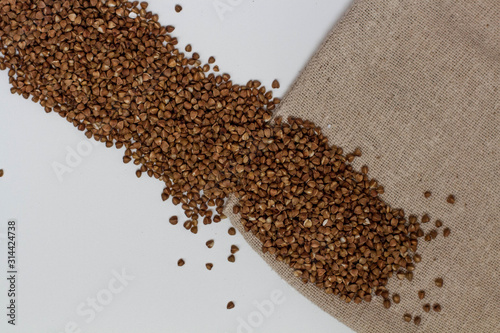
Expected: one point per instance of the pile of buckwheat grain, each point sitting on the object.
(111, 69)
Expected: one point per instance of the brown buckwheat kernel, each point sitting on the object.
(173, 220)
(451, 199)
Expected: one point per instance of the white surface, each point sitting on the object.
(100, 218)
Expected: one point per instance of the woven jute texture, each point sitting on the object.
(416, 85)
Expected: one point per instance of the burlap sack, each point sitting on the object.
(415, 84)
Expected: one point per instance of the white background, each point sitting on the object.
(100, 219)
